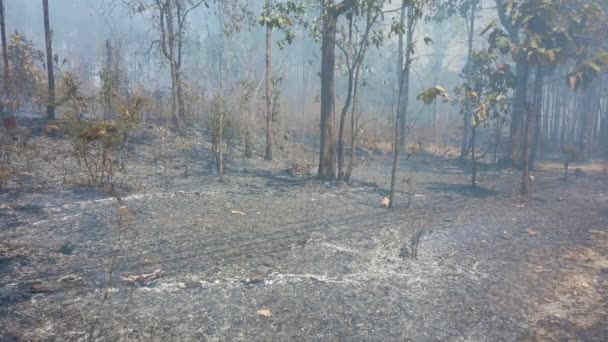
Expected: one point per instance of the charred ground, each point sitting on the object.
(325, 259)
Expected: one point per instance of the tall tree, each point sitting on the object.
(354, 47)
(4, 48)
(522, 70)
(170, 18)
(467, 117)
(404, 78)
(268, 79)
(327, 155)
(48, 34)
(414, 11)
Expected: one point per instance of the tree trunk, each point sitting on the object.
(400, 137)
(169, 52)
(108, 69)
(538, 103)
(181, 101)
(353, 126)
(404, 86)
(525, 182)
(474, 167)
(557, 112)
(400, 50)
(519, 112)
(467, 115)
(268, 154)
(327, 152)
(349, 94)
(4, 48)
(396, 150)
(50, 107)
(586, 121)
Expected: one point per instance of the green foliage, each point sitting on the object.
(556, 31)
(284, 16)
(487, 90)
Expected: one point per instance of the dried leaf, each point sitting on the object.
(385, 202)
(264, 312)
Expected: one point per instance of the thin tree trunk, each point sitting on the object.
(4, 48)
(467, 115)
(50, 108)
(396, 150)
(400, 138)
(181, 101)
(565, 122)
(556, 115)
(586, 122)
(353, 126)
(519, 112)
(349, 93)
(538, 103)
(108, 69)
(268, 154)
(474, 167)
(400, 51)
(526, 152)
(404, 86)
(169, 52)
(327, 152)
(221, 122)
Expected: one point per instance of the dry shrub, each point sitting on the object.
(5, 175)
(98, 142)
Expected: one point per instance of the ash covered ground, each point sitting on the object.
(269, 256)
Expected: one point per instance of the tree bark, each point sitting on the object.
(349, 94)
(108, 69)
(586, 122)
(525, 181)
(474, 167)
(404, 79)
(4, 48)
(353, 127)
(50, 107)
(557, 112)
(538, 103)
(400, 48)
(467, 115)
(400, 138)
(519, 112)
(268, 75)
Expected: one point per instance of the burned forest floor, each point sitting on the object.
(270, 256)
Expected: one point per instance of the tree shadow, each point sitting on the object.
(462, 189)
(278, 181)
(282, 181)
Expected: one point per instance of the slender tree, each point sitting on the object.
(467, 117)
(48, 34)
(4, 48)
(400, 137)
(404, 78)
(354, 49)
(268, 79)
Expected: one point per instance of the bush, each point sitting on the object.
(98, 142)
